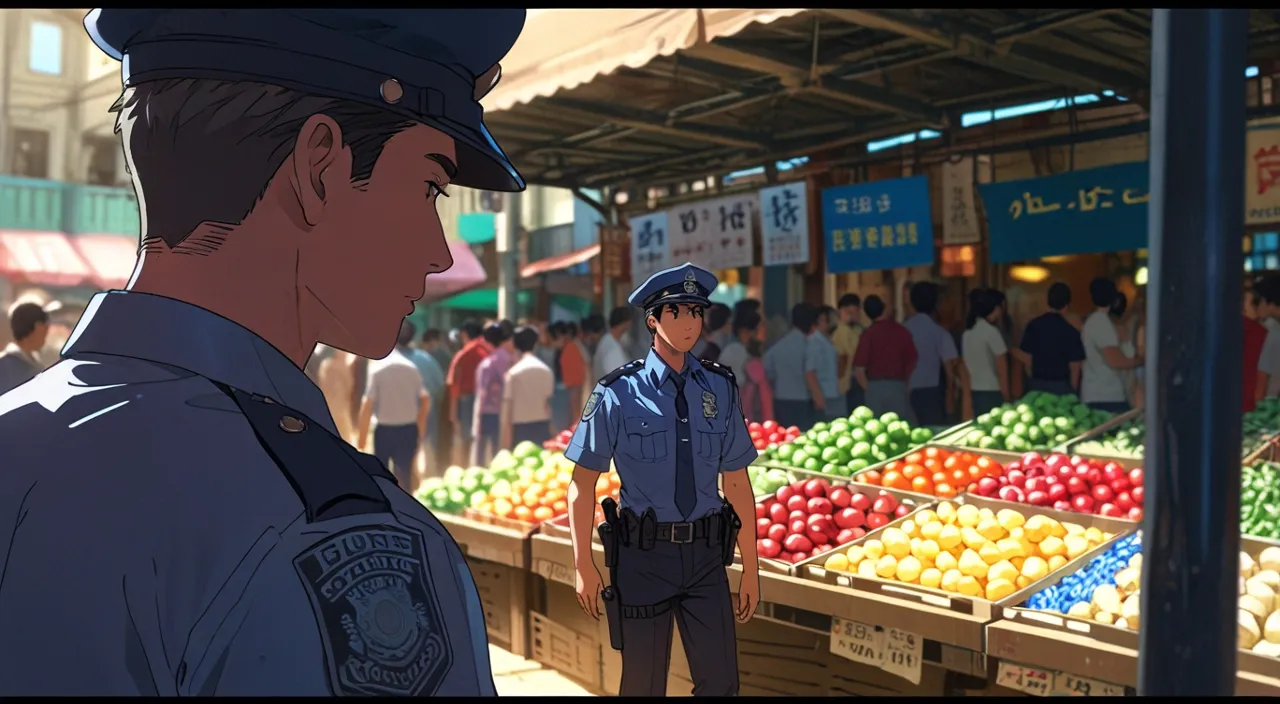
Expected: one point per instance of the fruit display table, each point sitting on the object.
(1039, 421)
(844, 446)
(1124, 438)
(499, 559)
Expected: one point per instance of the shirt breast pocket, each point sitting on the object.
(646, 439)
(711, 438)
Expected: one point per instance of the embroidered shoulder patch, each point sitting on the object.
(380, 621)
(593, 402)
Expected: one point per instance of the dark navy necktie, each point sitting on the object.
(686, 492)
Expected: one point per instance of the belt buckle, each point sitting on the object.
(675, 532)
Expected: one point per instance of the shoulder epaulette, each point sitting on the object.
(718, 368)
(625, 370)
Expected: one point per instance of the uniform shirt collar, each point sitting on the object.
(657, 370)
(172, 332)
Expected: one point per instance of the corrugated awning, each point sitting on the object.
(466, 273)
(560, 49)
(560, 261)
(111, 257)
(46, 258)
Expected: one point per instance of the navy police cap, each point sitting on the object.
(432, 66)
(679, 284)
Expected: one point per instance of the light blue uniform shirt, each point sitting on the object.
(632, 421)
(820, 358)
(148, 540)
(934, 347)
(785, 365)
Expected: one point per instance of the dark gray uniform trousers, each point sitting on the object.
(686, 582)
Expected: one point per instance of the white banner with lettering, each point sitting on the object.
(959, 210)
(784, 224)
(1262, 172)
(650, 245)
(715, 234)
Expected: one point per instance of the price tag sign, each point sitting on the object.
(1066, 685)
(903, 653)
(1028, 680)
(856, 641)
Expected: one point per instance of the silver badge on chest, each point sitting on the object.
(709, 409)
(690, 282)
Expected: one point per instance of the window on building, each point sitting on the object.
(30, 154)
(102, 161)
(1262, 252)
(46, 49)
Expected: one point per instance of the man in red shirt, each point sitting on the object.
(461, 380)
(1255, 336)
(883, 362)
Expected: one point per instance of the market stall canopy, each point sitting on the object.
(547, 58)
(45, 258)
(112, 257)
(560, 262)
(466, 273)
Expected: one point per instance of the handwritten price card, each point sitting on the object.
(856, 641)
(902, 655)
(1028, 680)
(650, 245)
(1065, 685)
(784, 224)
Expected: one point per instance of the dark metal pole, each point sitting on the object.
(1187, 643)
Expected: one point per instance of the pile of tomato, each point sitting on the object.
(932, 470)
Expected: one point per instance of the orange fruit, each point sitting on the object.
(984, 463)
(892, 466)
(932, 464)
(560, 506)
(934, 453)
(951, 462)
(912, 471)
(542, 513)
(959, 476)
(870, 477)
(486, 507)
(940, 477)
(913, 458)
(946, 491)
(523, 513)
(895, 480)
(922, 485)
(502, 507)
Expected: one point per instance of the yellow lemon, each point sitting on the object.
(931, 530)
(1077, 545)
(967, 516)
(972, 564)
(1051, 546)
(873, 549)
(908, 526)
(990, 529)
(896, 542)
(837, 562)
(1057, 561)
(998, 589)
(855, 553)
(1010, 519)
(867, 569)
(1010, 548)
(989, 553)
(969, 586)
(931, 577)
(926, 550)
(909, 569)
(946, 561)
(949, 537)
(924, 516)
(1093, 535)
(946, 512)
(887, 566)
(1002, 570)
(972, 538)
(1035, 568)
(950, 580)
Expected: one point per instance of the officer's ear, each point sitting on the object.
(318, 165)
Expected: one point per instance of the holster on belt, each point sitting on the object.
(648, 529)
(610, 538)
(730, 526)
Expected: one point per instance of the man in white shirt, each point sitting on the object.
(1101, 386)
(610, 353)
(29, 323)
(1267, 292)
(397, 399)
(526, 394)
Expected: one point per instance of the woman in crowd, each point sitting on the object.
(1125, 334)
(744, 357)
(985, 353)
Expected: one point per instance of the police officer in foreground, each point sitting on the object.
(177, 514)
(672, 425)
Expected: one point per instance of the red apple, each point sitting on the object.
(784, 493)
(798, 514)
(797, 502)
(1119, 484)
(1034, 484)
(1136, 493)
(1015, 465)
(860, 501)
(768, 548)
(784, 556)
(901, 511)
(820, 504)
(1077, 461)
(1111, 510)
(1056, 460)
(1123, 501)
(840, 497)
(1112, 471)
(762, 525)
(1012, 493)
(797, 543)
(876, 520)
(777, 532)
(817, 535)
(1077, 485)
(1058, 492)
(1082, 503)
(1135, 513)
(1064, 471)
(816, 487)
(850, 518)
(762, 511)
(1136, 476)
(799, 557)
(797, 527)
(1093, 476)
(848, 535)
(1062, 505)
(988, 486)
(1102, 493)
(778, 513)
(1016, 478)
(884, 503)
(1031, 458)
(858, 532)
(1038, 498)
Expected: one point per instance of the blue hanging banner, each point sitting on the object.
(1081, 212)
(879, 225)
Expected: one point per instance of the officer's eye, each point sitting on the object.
(697, 312)
(674, 311)
(435, 189)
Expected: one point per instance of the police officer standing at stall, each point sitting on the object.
(177, 513)
(672, 425)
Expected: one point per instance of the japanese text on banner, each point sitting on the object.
(721, 233)
(649, 245)
(784, 224)
(959, 209)
(880, 225)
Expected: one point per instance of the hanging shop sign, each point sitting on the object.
(879, 225)
(784, 224)
(650, 246)
(959, 204)
(715, 234)
(1262, 172)
(1081, 212)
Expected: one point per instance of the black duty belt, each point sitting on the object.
(707, 527)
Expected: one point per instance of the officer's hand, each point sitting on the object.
(589, 585)
(748, 598)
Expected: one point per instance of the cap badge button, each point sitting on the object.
(391, 91)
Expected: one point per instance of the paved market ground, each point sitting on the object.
(515, 676)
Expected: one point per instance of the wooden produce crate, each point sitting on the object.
(562, 636)
(504, 596)
(1072, 446)
(491, 538)
(1103, 657)
(950, 618)
(950, 440)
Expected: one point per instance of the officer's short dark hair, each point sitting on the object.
(873, 307)
(432, 335)
(407, 333)
(747, 321)
(924, 297)
(804, 316)
(718, 316)
(1103, 291)
(526, 338)
(1059, 296)
(494, 334)
(849, 299)
(593, 324)
(619, 316)
(204, 150)
(472, 328)
(24, 318)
